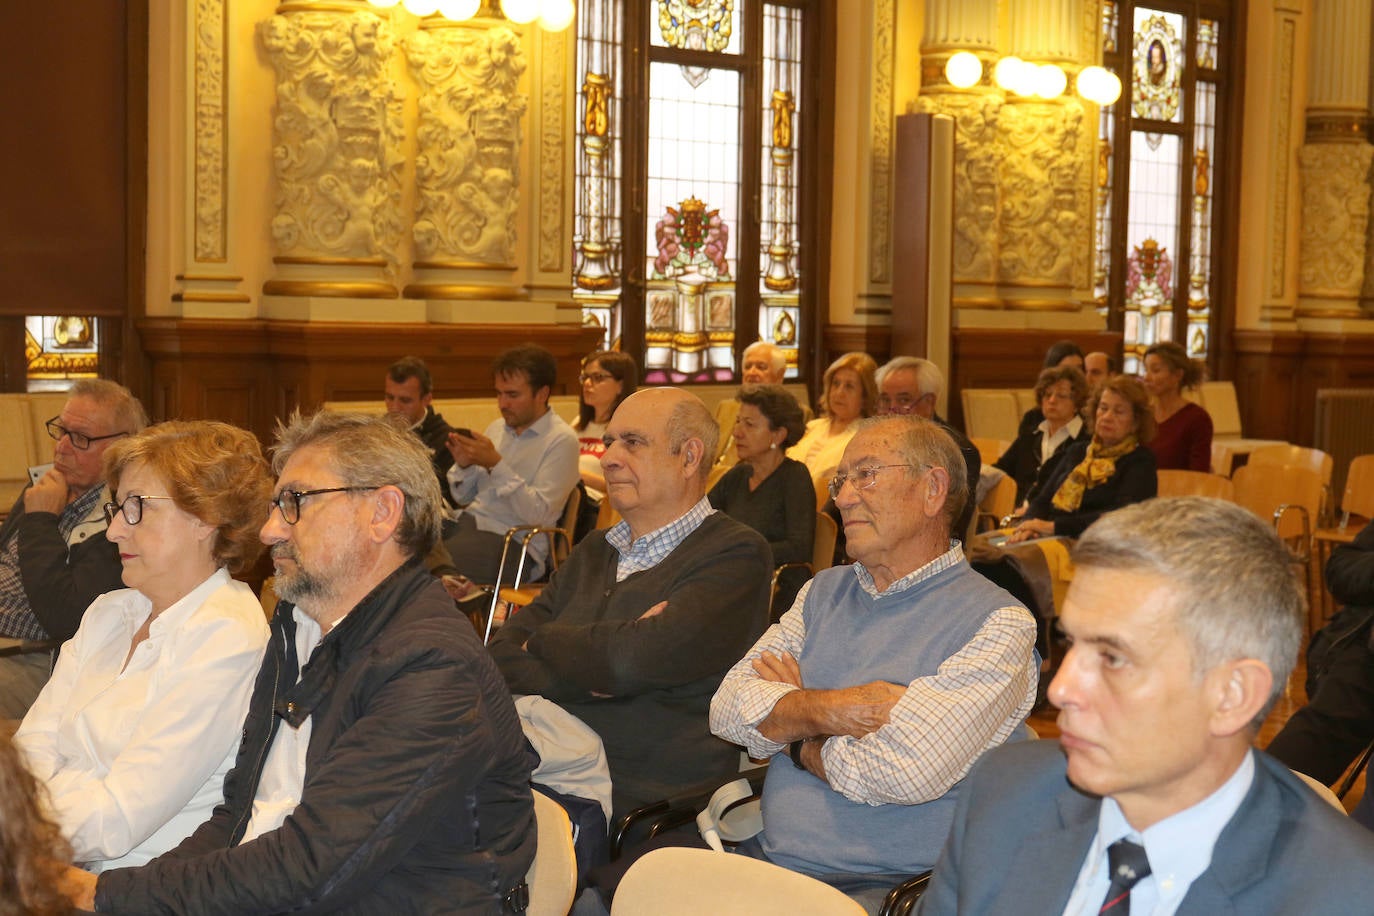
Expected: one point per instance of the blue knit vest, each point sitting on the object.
(853, 638)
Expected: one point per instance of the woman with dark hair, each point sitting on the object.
(33, 855)
(1110, 470)
(849, 393)
(1183, 430)
(138, 726)
(1064, 353)
(1061, 393)
(766, 490)
(608, 377)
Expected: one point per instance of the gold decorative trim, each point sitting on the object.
(1350, 127)
(211, 124)
(195, 296)
(339, 289)
(553, 133)
(305, 6)
(462, 265)
(214, 278)
(459, 291)
(880, 133)
(972, 302)
(330, 262)
(1278, 225)
(1040, 305)
(1353, 313)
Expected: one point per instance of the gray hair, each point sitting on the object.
(369, 451)
(691, 420)
(126, 411)
(929, 378)
(776, 357)
(1237, 592)
(924, 443)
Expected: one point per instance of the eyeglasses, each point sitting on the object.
(861, 478)
(596, 378)
(131, 507)
(901, 404)
(289, 501)
(78, 440)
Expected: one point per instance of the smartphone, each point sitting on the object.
(37, 471)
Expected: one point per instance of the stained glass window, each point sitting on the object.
(670, 261)
(58, 350)
(1157, 230)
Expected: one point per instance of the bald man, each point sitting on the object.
(638, 627)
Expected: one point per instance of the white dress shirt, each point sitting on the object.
(134, 755)
(1179, 849)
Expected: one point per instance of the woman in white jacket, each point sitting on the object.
(141, 719)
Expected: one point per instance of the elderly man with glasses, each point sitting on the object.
(886, 680)
(382, 768)
(54, 558)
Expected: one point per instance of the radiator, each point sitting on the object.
(1345, 429)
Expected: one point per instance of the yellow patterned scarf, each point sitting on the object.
(1098, 466)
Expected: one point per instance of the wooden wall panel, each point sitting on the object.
(1278, 375)
(252, 372)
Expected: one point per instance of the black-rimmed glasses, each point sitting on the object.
(596, 378)
(78, 440)
(861, 478)
(289, 501)
(131, 508)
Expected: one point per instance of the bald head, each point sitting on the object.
(656, 462)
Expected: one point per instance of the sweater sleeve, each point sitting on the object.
(1200, 440)
(62, 583)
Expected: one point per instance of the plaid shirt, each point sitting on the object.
(16, 617)
(651, 550)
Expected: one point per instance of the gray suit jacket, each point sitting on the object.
(1021, 832)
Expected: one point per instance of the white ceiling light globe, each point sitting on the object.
(1050, 81)
(1007, 73)
(1099, 85)
(963, 70)
(556, 15)
(520, 11)
(384, 4)
(421, 7)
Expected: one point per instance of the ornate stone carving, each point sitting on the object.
(336, 135)
(1335, 217)
(977, 181)
(467, 176)
(210, 216)
(553, 134)
(1283, 116)
(880, 159)
(1042, 215)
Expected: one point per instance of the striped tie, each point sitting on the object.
(1126, 864)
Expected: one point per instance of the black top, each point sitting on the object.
(782, 509)
(1021, 460)
(1134, 481)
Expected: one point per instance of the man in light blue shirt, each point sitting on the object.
(1185, 618)
(519, 472)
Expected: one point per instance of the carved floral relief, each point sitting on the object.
(336, 135)
(1040, 220)
(1335, 216)
(467, 165)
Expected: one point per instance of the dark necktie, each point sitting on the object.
(1126, 864)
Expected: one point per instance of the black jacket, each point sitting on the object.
(62, 581)
(1135, 480)
(433, 432)
(1021, 460)
(416, 796)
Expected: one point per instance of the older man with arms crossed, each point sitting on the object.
(886, 680)
(1166, 807)
(54, 558)
(382, 768)
(636, 630)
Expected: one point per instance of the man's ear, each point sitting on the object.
(542, 395)
(692, 452)
(934, 492)
(388, 510)
(1239, 690)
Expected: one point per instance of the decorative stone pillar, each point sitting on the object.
(337, 160)
(467, 164)
(1334, 164)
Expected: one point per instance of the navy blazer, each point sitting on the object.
(1021, 833)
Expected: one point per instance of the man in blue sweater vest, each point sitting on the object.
(886, 680)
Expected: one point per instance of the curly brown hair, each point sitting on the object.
(1078, 384)
(1129, 388)
(33, 854)
(213, 471)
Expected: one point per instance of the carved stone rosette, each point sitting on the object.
(1041, 221)
(1335, 223)
(336, 153)
(467, 174)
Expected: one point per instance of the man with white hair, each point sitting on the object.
(763, 364)
(1154, 800)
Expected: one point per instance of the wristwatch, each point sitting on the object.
(794, 751)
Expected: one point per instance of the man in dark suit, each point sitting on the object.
(1166, 807)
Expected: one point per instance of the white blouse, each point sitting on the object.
(134, 756)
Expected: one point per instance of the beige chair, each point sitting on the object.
(822, 557)
(1289, 497)
(552, 877)
(1323, 792)
(990, 449)
(1297, 456)
(689, 882)
(1195, 483)
(1357, 510)
(1219, 400)
(521, 536)
(996, 505)
(991, 413)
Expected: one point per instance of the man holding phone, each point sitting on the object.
(518, 472)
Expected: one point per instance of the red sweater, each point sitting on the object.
(1184, 441)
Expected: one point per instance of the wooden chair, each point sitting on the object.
(560, 544)
(552, 877)
(996, 505)
(1357, 505)
(1289, 497)
(991, 412)
(1297, 456)
(1195, 483)
(822, 557)
(990, 449)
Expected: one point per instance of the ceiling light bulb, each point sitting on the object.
(1006, 74)
(384, 4)
(556, 15)
(520, 11)
(459, 10)
(1050, 81)
(1099, 85)
(421, 8)
(963, 70)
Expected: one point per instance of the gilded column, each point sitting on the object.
(467, 163)
(1334, 164)
(336, 157)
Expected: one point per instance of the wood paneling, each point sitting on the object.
(1277, 375)
(252, 372)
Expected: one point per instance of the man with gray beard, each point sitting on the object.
(382, 768)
